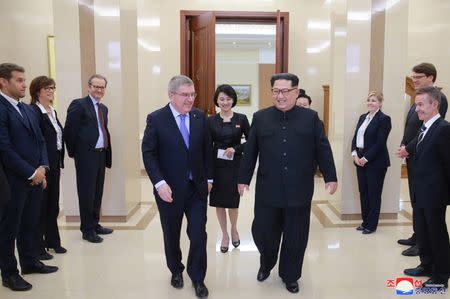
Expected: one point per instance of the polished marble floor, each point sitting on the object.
(339, 263)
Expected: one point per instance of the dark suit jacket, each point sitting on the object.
(413, 124)
(22, 147)
(166, 157)
(81, 128)
(289, 146)
(239, 126)
(50, 137)
(5, 193)
(375, 138)
(432, 167)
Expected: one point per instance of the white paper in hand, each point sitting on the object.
(221, 155)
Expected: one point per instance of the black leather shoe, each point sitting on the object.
(407, 242)
(262, 275)
(360, 228)
(418, 271)
(435, 283)
(45, 256)
(367, 231)
(201, 291)
(39, 267)
(92, 237)
(58, 250)
(292, 287)
(177, 280)
(411, 251)
(16, 283)
(100, 230)
(223, 249)
(236, 243)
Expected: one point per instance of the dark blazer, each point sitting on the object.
(375, 138)
(239, 125)
(22, 147)
(166, 157)
(81, 128)
(413, 124)
(4, 187)
(432, 167)
(50, 137)
(289, 146)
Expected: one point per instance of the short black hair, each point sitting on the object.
(228, 90)
(426, 68)
(284, 76)
(302, 94)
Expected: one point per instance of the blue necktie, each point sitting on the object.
(21, 107)
(183, 129)
(421, 134)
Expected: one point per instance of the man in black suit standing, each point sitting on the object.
(423, 75)
(24, 157)
(431, 190)
(4, 188)
(290, 142)
(177, 154)
(88, 141)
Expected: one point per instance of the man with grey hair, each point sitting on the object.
(177, 155)
(88, 141)
(431, 190)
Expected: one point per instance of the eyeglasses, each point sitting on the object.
(50, 88)
(284, 92)
(187, 95)
(98, 87)
(417, 77)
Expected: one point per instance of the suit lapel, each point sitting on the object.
(193, 127)
(90, 106)
(426, 140)
(374, 120)
(173, 126)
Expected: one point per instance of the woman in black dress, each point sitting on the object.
(42, 91)
(227, 128)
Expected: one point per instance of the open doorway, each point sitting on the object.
(199, 44)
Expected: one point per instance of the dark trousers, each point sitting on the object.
(171, 215)
(48, 228)
(19, 221)
(433, 240)
(90, 167)
(410, 170)
(272, 223)
(370, 183)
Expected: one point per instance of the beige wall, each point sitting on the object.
(240, 66)
(25, 27)
(428, 39)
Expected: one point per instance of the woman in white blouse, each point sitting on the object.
(42, 90)
(371, 158)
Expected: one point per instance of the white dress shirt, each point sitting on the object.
(362, 131)
(99, 143)
(52, 117)
(429, 123)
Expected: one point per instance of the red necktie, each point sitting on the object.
(102, 125)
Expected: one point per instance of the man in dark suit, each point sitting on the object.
(88, 141)
(177, 155)
(24, 157)
(290, 142)
(431, 190)
(4, 188)
(423, 75)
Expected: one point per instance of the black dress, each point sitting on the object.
(224, 193)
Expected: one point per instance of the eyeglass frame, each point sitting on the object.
(417, 77)
(186, 95)
(284, 92)
(48, 88)
(97, 87)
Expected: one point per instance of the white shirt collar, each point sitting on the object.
(43, 110)
(431, 121)
(175, 112)
(11, 100)
(373, 114)
(94, 101)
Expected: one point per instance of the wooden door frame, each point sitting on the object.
(237, 16)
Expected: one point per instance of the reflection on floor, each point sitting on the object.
(339, 263)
